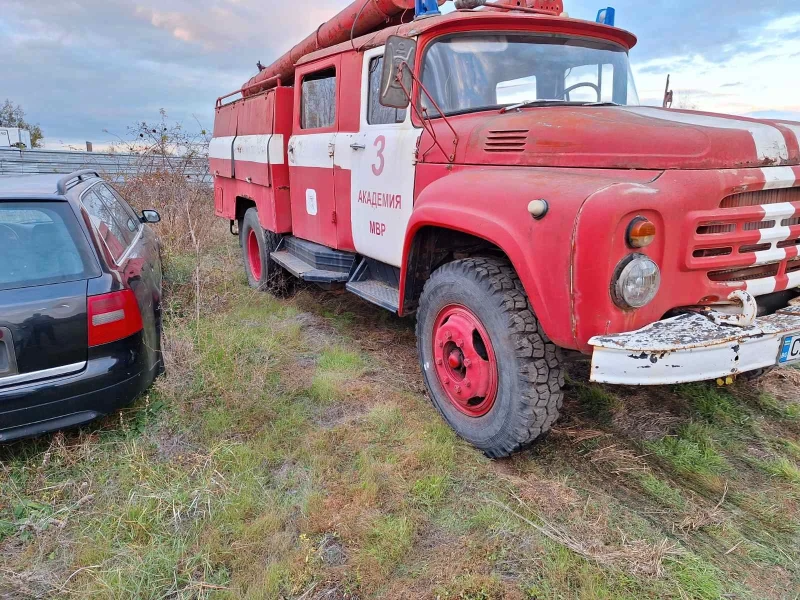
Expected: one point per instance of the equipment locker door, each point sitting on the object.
(311, 153)
(383, 167)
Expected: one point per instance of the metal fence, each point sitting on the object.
(115, 166)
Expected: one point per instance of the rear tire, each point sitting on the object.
(262, 272)
(477, 336)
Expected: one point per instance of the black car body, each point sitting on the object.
(80, 302)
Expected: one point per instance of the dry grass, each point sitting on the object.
(290, 452)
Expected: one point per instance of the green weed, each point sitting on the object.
(691, 450)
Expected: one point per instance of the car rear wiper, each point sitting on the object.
(531, 103)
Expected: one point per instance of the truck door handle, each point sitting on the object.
(357, 146)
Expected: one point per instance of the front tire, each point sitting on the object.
(257, 243)
(489, 368)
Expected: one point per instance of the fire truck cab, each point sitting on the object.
(491, 171)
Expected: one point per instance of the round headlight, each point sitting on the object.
(637, 281)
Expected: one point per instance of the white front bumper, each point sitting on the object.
(690, 347)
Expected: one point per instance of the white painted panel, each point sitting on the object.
(770, 142)
(262, 149)
(382, 181)
(312, 150)
(794, 280)
(764, 257)
(759, 287)
(774, 234)
(778, 177)
(220, 147)
(795, 129)
(781, 210)
(688, 348)
(311, 202)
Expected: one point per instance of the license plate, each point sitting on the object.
(790, 349)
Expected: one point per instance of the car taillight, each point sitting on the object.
(113, 317)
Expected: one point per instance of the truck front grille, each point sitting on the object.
(753, 236)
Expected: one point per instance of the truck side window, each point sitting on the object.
(318, 100)
(377, 113)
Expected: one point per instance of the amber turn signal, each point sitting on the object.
(641, 233)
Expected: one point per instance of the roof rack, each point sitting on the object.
(61, 186)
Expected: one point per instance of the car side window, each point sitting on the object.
(109, 218)
(132, 223)
(377, 113)
(318, 100)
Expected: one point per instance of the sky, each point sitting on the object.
(90, 69)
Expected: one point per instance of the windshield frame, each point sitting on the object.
(418, 95)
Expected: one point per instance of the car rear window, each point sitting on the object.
(42, 243)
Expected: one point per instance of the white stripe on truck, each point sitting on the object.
(264, 149)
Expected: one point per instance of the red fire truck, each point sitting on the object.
(492, 171)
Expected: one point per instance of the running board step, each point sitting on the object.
(313, 262)
(305, 271)
(376, 282)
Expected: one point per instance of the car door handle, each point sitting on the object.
(357, 146)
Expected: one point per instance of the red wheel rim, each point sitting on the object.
(254, 255)
(464, 360)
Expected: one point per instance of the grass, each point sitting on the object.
(691, 450)
(784, 469)
(661, 490)
(290, 452)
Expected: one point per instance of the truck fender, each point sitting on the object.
(492, 204)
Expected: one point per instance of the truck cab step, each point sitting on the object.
(376, 282)
(313, 262)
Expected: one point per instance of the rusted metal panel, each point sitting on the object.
(690, 347)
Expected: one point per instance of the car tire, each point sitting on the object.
(257, 243)
(488, 366)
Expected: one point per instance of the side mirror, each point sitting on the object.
(150, 216)
(398, 59)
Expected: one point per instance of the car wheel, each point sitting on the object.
(489, 368)
(257, 243)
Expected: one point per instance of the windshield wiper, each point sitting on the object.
(531, 103)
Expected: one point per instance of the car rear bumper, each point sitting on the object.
(691, 347)
(113, 378)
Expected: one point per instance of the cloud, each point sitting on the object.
(82, 66)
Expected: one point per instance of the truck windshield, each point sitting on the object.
(469, 72)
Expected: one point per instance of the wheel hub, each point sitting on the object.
(254, 255)
(465, 360)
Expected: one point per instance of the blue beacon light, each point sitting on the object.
(426, 8)
(606, 16)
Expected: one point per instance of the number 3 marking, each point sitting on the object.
(378, 169)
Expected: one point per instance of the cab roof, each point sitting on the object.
(477, 20)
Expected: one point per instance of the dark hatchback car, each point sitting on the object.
(80, 302)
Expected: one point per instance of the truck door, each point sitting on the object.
(311, 150)
(382, 162)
